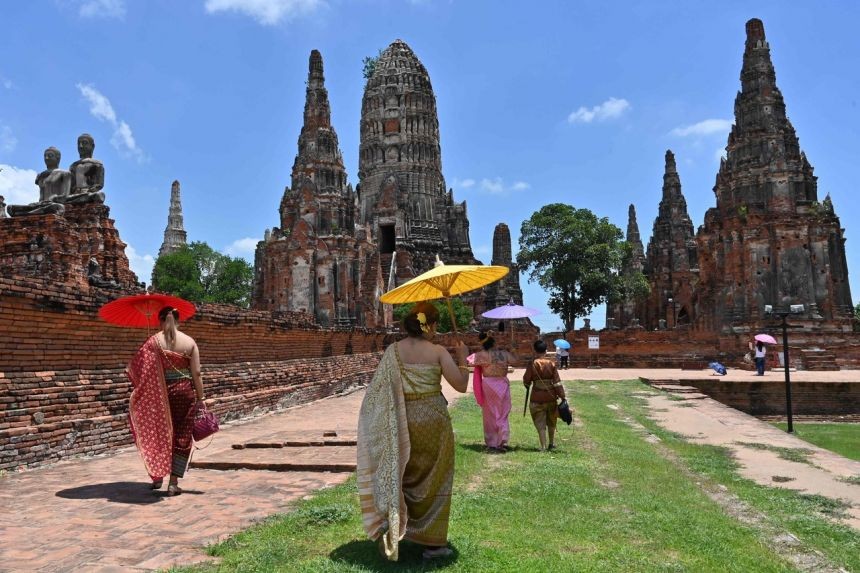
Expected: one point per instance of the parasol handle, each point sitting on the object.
(451, 313)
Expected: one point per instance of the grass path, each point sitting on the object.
(607, 500)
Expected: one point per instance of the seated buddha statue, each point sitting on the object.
(88, 174)
(54, 184)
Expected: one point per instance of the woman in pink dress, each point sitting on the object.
(494, 392)
(167, 390)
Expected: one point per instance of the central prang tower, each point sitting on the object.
(402, 195)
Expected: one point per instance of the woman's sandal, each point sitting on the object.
(437, 553)
(156, 484)
(173, 489)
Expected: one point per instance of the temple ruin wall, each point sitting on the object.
(63, 388)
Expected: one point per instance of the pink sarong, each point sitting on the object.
(496, 408)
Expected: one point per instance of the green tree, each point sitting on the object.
(462, 314)
(368, 65)
(630, 285)
(200, 274)
(178, 274)
(576, 257)
(233, 282)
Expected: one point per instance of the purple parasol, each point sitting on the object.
(510, 311)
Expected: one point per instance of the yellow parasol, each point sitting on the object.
(444, 281)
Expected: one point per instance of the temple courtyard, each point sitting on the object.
(638, 465)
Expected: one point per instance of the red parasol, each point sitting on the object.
(141, 311)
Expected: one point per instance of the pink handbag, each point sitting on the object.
(205, 424)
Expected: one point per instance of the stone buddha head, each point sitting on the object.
(86, 145)
(52, 158)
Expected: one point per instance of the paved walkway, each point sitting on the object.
(97, 514)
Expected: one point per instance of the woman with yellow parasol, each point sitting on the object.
(405, 439)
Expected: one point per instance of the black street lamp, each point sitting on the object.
(674, 316)
(782, 314)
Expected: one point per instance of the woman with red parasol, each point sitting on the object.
(166, 381)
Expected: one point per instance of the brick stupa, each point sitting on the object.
(319, 260)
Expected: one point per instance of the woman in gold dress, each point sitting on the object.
(405, 440)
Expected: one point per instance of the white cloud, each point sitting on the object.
(123, 138)
(492, 186)
(101, 108)
(704, 127)
(242, 248)
(266, 12)
(8, 141)
(610, 109)
(6, 82)
(464, 183)
(481, 250)
(18, 185)
(141, 265)
(102, 9)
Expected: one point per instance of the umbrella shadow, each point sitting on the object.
(365, 554)
(132, 492)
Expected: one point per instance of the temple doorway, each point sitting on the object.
(387, 243)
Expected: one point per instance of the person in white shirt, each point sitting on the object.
(759, 358)
(562, 354)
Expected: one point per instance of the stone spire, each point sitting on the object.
(329, 205)
(174, 233)
(671, 256)
(622, 313)
(402, 192)
(764, 166)
(318, 260)
(508, 289)
(768, 240)
(638, 258)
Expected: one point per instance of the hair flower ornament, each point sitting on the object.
(422, 319)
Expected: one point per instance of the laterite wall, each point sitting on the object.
(63, 390)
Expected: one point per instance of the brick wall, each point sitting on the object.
(685, 348)
(768, 397)
(63, 390)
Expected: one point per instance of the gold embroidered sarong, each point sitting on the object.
(405, 455)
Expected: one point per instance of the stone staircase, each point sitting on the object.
(818, 359)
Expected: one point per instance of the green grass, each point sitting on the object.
(842, 438)
(607, 500)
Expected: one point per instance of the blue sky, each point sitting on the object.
(539, 102)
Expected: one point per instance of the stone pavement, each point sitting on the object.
(97, 514)
(703, 420)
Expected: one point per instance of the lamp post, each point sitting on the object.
(674, 316)
(782, 314)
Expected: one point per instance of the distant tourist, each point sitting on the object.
(495, 391)
(405, 440)
(563, 354)
(167, 390)
(760, 352)
(547, 389)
